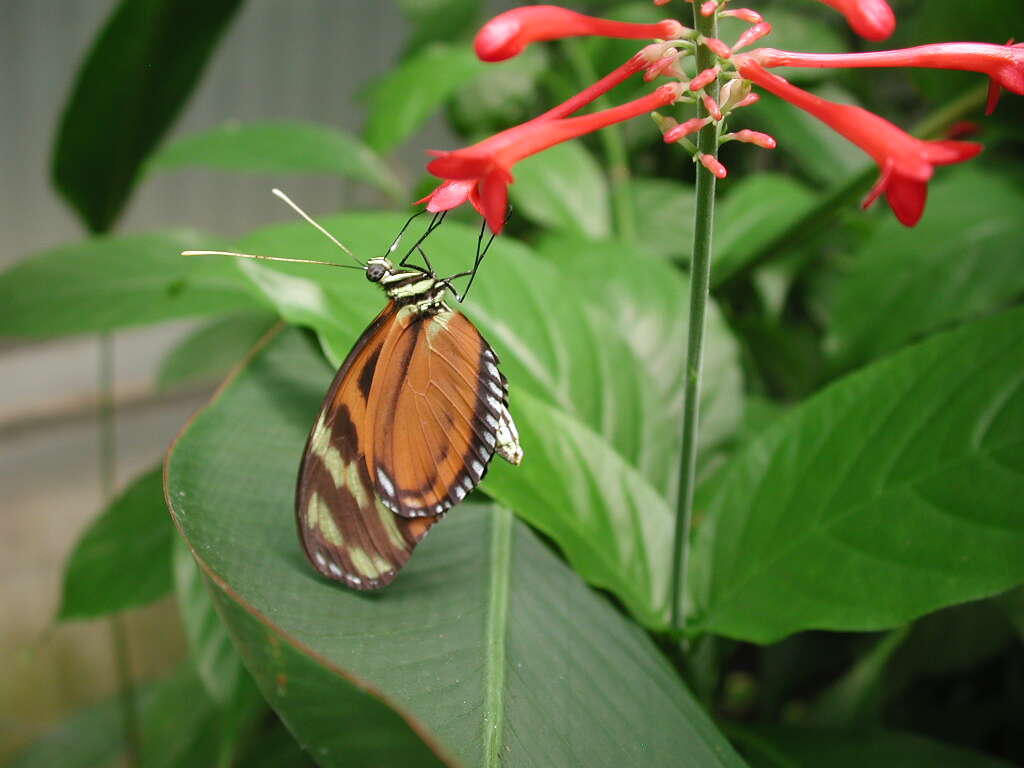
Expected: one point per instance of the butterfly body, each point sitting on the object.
(408, 428)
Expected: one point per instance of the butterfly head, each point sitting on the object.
(378, 268)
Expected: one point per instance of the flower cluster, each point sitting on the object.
(482, 172)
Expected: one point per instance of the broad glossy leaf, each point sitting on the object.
(485, 646)
(563, 188)
(889, 494)
(210, 352)
(758, 207)
(664, 215)
(133, 83)
(794, 747)
(117, 282)
(279, 147)
(555, 345)
(962, 260)
(401, 101)
(645, 302)
(131, 536)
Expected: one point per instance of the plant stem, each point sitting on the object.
(108, 481)
(700, 276)
(616, 157)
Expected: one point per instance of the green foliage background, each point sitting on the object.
(854, 596)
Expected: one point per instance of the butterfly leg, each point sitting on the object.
(434, 224)
(481, 251)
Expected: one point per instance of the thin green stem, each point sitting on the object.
(700, 277)
(108, 481)
(616, 157)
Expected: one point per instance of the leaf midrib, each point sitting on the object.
(495, 634)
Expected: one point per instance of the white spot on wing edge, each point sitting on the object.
(385, 482)
(335, 570)
(477, 467)
(321, 561)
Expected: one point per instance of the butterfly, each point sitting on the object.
(407, 428)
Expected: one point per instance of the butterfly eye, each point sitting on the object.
(375, 271)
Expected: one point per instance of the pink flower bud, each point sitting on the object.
(708, 8)
(716, 45)
(746, 101)
(677, 132)
(762, 140)
(705, 78)
(712, 107)
(711, 163)
(754, 33)
(745, 14)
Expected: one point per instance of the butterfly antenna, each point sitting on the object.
(398, 237)
(309, 218)
(269, 258)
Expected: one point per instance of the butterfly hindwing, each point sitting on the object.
(347, 532)
(437, 402)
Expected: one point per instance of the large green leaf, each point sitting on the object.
(560, 344)
(487, 646)
(963, 259)
(279, 147)
(890, 494)
(664, 211)
(208, 353)
(757, 208)
(401, 101)
(563, 188)
(794, 747)
(130, 537)
(116, 282)
(133, 83)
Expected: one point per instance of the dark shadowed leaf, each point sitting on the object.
(485, 646)
(446, 20)
(211, 351)
(117, 282)
(962, 260)
(179, 727)
(130, 88)
(402, 100)
(280, 147)
(123, 560)
(793, 747)
(889, 494)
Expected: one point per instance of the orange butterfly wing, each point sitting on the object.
(435, 404)
(346, 531)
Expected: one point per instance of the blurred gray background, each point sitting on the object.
(279, 60)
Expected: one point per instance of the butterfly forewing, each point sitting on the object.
(347, 532)
(437, 401)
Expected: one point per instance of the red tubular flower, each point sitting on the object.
(508, 34)
(1004, 64)
(871, 19)
(487, 164)
(907, 163)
